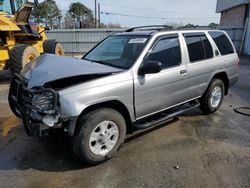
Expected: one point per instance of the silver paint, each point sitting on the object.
(141, 95)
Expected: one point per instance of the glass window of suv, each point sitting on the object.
(167, 51)
(208, 47)
(199, 47)
(221, 40)
(119, 51)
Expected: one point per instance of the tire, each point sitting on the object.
(20, 55)
(90, 145)
(53, 47)
(210, 103)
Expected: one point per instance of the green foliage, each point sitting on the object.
(47, 11)
(78, 16)
(82, 15)
(189, 25)
(213, 25)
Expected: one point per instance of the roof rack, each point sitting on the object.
(195, 27)
(166, 27)
(149, 27)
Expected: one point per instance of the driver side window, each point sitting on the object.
(167, 51)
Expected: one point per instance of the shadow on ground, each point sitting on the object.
(5, 76)
(52, 154)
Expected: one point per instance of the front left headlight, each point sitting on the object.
(45, 101)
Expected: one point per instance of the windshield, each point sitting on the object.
(5, 5)
(118, 51)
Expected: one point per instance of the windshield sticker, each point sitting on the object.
(138, 40)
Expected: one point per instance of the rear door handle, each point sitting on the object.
(184, 71)
(217, 52)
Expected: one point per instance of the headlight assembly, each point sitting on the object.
(45, 101)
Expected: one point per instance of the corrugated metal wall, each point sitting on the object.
(79, 41)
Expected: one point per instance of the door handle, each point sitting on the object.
(184, 71)
(217, 52)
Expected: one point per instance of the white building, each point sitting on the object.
(234, 19)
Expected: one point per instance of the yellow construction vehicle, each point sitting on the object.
(21, 41)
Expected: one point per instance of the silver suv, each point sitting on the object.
(129, 81)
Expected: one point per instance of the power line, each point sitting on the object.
(152, 17)
(147, 9)
(127, 15)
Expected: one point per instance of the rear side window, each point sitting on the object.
(222, 42)
(167, 51)
(208, 47)
(199, 48)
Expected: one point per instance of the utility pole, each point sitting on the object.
(99, 15)
(95, 16)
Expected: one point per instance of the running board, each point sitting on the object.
(177, 111)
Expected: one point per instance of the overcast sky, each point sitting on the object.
(130, 13)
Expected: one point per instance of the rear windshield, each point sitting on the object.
(222, 42)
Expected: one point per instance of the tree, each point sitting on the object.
(68, 22)
(82, 15)
(213, 25)
(48, 13)
(174, 25)
(112, 25)
(189, 25)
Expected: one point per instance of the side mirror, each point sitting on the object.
(150, 67)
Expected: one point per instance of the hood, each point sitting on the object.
(48, 68)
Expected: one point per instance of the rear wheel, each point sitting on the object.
(101, 134)
(53, 47)
(213, 97)
(20, 55)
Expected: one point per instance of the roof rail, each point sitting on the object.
(166, 27)
(195, 27)
(150, 27)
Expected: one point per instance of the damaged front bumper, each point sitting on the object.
(37, 107)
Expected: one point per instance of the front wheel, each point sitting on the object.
(101, 134)
(213, 97)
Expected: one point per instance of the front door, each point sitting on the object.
(156, 92)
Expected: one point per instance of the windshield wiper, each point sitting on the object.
(105, 63)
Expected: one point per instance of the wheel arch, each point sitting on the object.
(113, 104)
(224, 78)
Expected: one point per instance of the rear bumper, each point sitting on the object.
(233, 80)
(21, 101)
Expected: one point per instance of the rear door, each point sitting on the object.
(156, 92)
(201, 63)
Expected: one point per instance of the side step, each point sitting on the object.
(164, 117)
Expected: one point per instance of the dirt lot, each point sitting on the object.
(210, 151)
